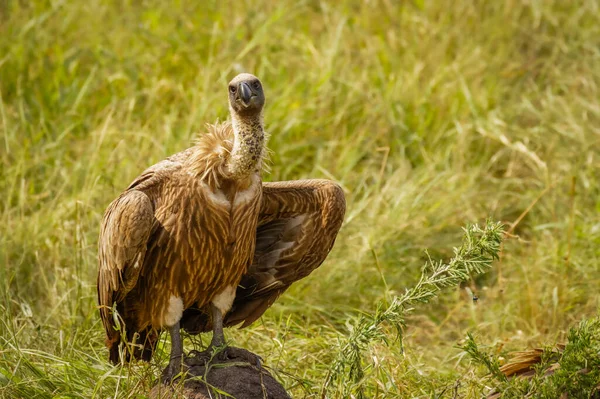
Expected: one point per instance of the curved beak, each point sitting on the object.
(245, 93)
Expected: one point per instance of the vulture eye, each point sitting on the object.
(256, 85)
(232, 89)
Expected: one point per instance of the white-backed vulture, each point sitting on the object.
(199, 241)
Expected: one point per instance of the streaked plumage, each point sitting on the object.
(297, 226)
(199, 229)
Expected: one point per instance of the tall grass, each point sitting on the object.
(429, 114)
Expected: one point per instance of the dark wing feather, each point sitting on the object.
(126, 227)
(297, 227)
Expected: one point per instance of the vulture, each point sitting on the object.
(199, 242)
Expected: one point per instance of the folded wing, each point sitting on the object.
(125, 231)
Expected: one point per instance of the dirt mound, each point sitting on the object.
(234, 372)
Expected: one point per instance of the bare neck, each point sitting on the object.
(248, 145)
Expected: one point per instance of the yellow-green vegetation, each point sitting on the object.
(431, 115)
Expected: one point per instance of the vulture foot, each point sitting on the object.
(217, 355)
(173, 371)
(229, 353)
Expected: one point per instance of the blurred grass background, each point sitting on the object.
(430, 115)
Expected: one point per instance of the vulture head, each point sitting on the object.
(246, 96)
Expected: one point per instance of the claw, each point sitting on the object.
(170, 374)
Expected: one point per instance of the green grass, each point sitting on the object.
(430, 115)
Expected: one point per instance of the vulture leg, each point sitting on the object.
(218, 338)
(218, 342)
(174, 366)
